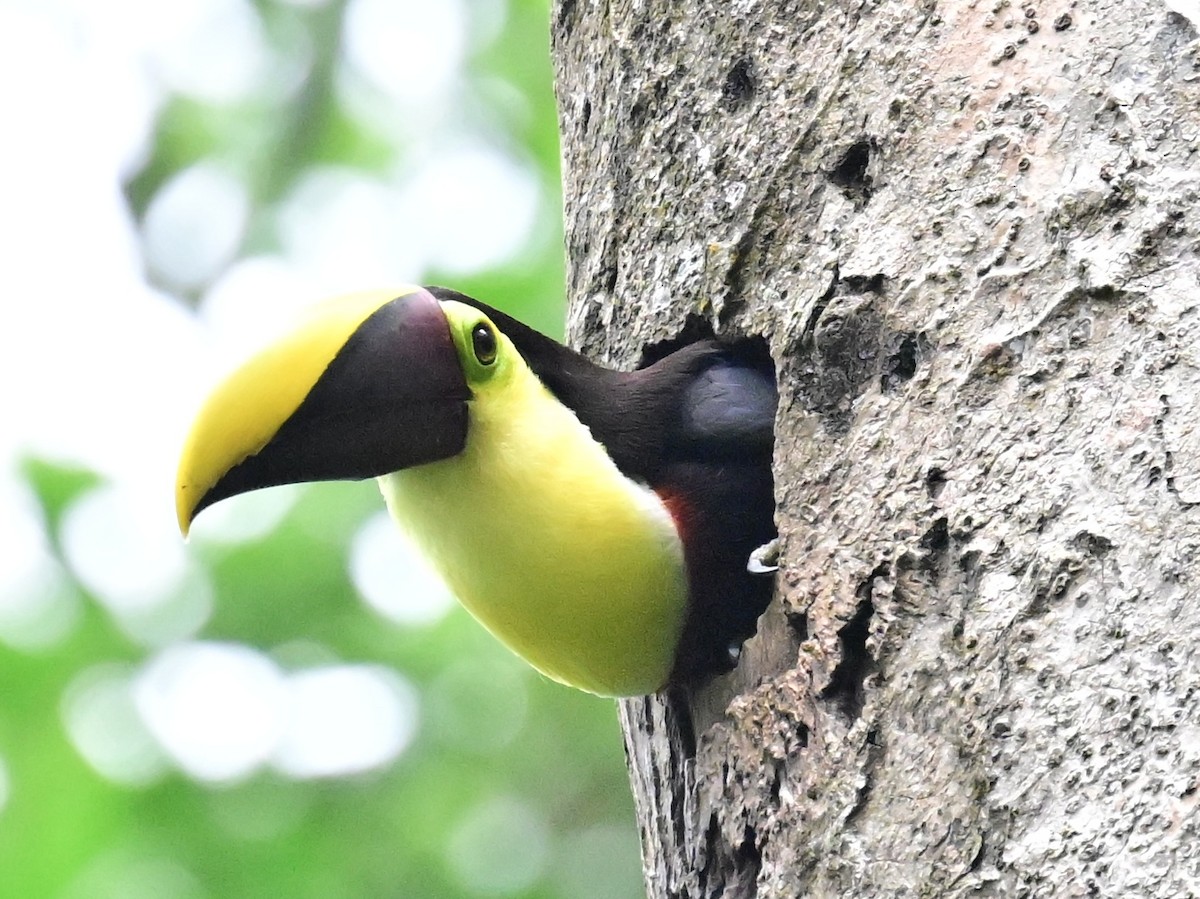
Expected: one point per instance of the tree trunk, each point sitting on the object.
(968, 232)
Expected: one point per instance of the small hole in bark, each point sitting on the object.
(850, 172)
(740, 84)
(859, 284)
(748, 853)
(936, 540)
(637, 115)
(935, 480)
(798, 622)
(776, 785)
(901, 363)
(566, 15)
(585, 114)
(735, 868)
(610, 280)
(846, 685)
(1094, 544)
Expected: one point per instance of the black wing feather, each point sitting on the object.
(728, 409)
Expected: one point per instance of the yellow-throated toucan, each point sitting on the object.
(598, 522)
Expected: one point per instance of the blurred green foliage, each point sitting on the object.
(512, 786)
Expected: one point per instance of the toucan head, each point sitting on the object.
(366, 385)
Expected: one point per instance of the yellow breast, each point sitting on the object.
(572, 565)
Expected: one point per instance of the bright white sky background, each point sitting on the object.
(98, 368)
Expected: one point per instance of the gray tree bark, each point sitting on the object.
(968, 231)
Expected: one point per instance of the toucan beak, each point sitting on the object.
(368, 385)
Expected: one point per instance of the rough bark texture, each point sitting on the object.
(968, 232)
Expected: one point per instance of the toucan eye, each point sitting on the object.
(483, 341)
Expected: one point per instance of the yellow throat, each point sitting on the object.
(576, 568)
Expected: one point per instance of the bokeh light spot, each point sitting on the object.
(253, 302)
(38, 605)
(393, 577)
(499, 848)
(214, 49)
(216, 708)
(223, 711)
(247, 516)
(345, 230)
(412, 51)
(487, 206)
(121, 545)
(194, 225)
(345, 719)
(599, 862)
(124, 874)
(99, 715)
(479, 706)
